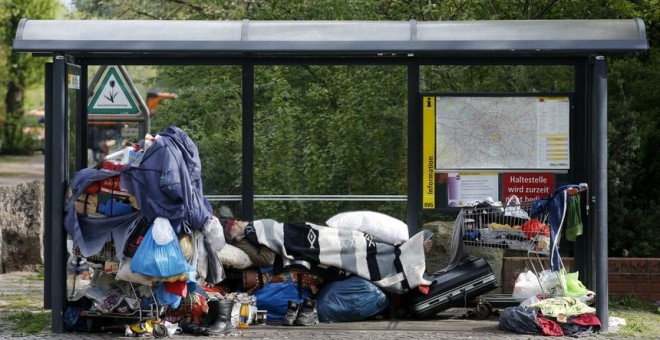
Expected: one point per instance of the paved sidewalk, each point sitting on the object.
(447, 325)
(440, 328)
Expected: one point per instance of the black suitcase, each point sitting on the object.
(453, 288)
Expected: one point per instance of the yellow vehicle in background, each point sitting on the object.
(155, 98)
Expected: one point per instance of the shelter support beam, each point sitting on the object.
(581, 141)
(247, 183)
(48, 108)
(599, 195)
(56, 163)
(414, 150)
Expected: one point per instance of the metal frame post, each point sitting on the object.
(599, 194)
(56, 178)
(581, 159)
(414, 150)
(48, 184)
(247, 183)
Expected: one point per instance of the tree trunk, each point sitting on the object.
(15, 110)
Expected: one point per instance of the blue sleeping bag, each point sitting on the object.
(353, 299)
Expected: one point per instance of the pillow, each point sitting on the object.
(232, 256)
(383, 228)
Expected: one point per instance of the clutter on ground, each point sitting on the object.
(148, 256)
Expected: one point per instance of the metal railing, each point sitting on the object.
(372, 198)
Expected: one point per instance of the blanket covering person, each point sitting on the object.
(395, 269)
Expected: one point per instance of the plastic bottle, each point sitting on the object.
(244, 314)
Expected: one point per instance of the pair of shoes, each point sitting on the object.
(308, 315)
(301, 314)
(291, 313)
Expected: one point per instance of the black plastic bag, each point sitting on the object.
(135, 238)
(520, 320)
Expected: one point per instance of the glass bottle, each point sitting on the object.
(244, 314)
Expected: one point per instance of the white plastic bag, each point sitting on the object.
(513, 208)
(126, 274)
(527, 285)
(162, 232)
(549, 280)
(214, 233)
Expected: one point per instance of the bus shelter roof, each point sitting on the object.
(177, 38)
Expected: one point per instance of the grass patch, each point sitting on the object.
(39, 276)
(11, 174)
(10, 159)
(29, 322)
(630, 302)
(14, 302)
(642, 317)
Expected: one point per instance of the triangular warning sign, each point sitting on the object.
(112, 96)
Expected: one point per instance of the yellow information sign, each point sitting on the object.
(428, 153)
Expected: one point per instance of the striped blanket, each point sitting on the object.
(395, 269)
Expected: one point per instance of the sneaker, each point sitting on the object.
(307, 314)
(291, 313)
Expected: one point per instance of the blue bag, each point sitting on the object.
(166, 298)
(353, 299)
(274, 297)
(159, 261)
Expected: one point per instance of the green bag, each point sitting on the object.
(573, 219)
(571, 285)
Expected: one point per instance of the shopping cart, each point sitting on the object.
(533, 227)
(138, 303)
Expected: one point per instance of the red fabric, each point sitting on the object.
(533, 227)
(424, 289)
(111, 184)
(93, 188)
(215, 289)
(549, 327)
(179, 288)
(586, 319)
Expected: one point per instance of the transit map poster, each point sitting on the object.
(500, 133)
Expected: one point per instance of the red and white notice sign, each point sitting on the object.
(528, 186)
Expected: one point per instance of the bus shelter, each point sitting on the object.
(583, 45)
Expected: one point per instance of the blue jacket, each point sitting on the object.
(167, 181)
(555, 205)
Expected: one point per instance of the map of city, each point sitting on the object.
(502, 133)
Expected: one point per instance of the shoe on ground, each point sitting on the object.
(291, 313)
(307, 314)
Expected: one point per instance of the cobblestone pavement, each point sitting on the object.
(450, 324)
(429, 329)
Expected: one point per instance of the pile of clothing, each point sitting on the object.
(559, 316)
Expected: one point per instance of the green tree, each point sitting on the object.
(21, 70)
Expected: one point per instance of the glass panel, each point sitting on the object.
(208, 108)
(329, 130)
(73, 109)
(497, 78)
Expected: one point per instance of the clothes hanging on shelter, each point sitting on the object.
(555, 205)
(167, 181)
